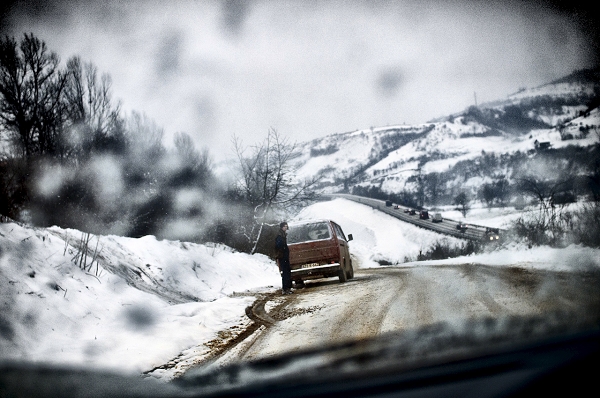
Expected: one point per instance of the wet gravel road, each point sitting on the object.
(393, 299)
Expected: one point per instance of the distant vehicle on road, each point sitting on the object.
(407, 210)
(396, 207)
(319, 249)
(388, 203)
(491, 234)
(462, 226)
(412, 212)
(437, 217)
(424, 215)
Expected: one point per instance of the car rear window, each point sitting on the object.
(307, 232)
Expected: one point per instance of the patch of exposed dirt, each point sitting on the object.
(226, 337)
(286, 313)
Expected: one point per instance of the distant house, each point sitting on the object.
(540, 146)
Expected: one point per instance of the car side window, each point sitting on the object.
(339, 232)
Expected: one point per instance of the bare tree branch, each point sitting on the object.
(267, 178)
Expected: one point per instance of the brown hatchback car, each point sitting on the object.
(319, 249)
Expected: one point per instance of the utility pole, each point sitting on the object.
(421, 191)
(475, 95)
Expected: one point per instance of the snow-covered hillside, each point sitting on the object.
(391, 157)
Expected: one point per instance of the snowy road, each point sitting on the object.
(394, 299)
(447, 226)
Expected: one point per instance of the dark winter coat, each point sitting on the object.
(281, 247)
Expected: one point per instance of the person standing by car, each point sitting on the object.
(283, 258)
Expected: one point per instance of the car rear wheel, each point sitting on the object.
(342, 275)
(350, 271)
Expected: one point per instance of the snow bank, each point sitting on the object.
(569, 259)
(120, 315)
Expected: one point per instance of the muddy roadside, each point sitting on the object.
(265, 311)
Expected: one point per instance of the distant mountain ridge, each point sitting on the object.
(396, 158)
(582, 76)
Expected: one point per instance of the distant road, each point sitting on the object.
(447, 226)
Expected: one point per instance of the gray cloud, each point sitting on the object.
(308, 69)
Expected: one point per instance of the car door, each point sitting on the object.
(344, 250)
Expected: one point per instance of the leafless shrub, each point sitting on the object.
(442, 249)
(560, 227)
(85, 253)
(586, 227)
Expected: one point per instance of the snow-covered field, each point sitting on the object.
(495, 217)
(145, 302)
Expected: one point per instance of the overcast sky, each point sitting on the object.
(308, 68)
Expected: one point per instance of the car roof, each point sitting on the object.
(309, 221)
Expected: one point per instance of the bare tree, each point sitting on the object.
(462, 203)
(145, 137)
(495, 192)
(194, 165)
(141, 166)
(186, 149)
(93, 118)
(433, 186)
(267, 181)
(488, 194)
(31, 87)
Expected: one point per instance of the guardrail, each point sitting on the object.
(447, 226)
